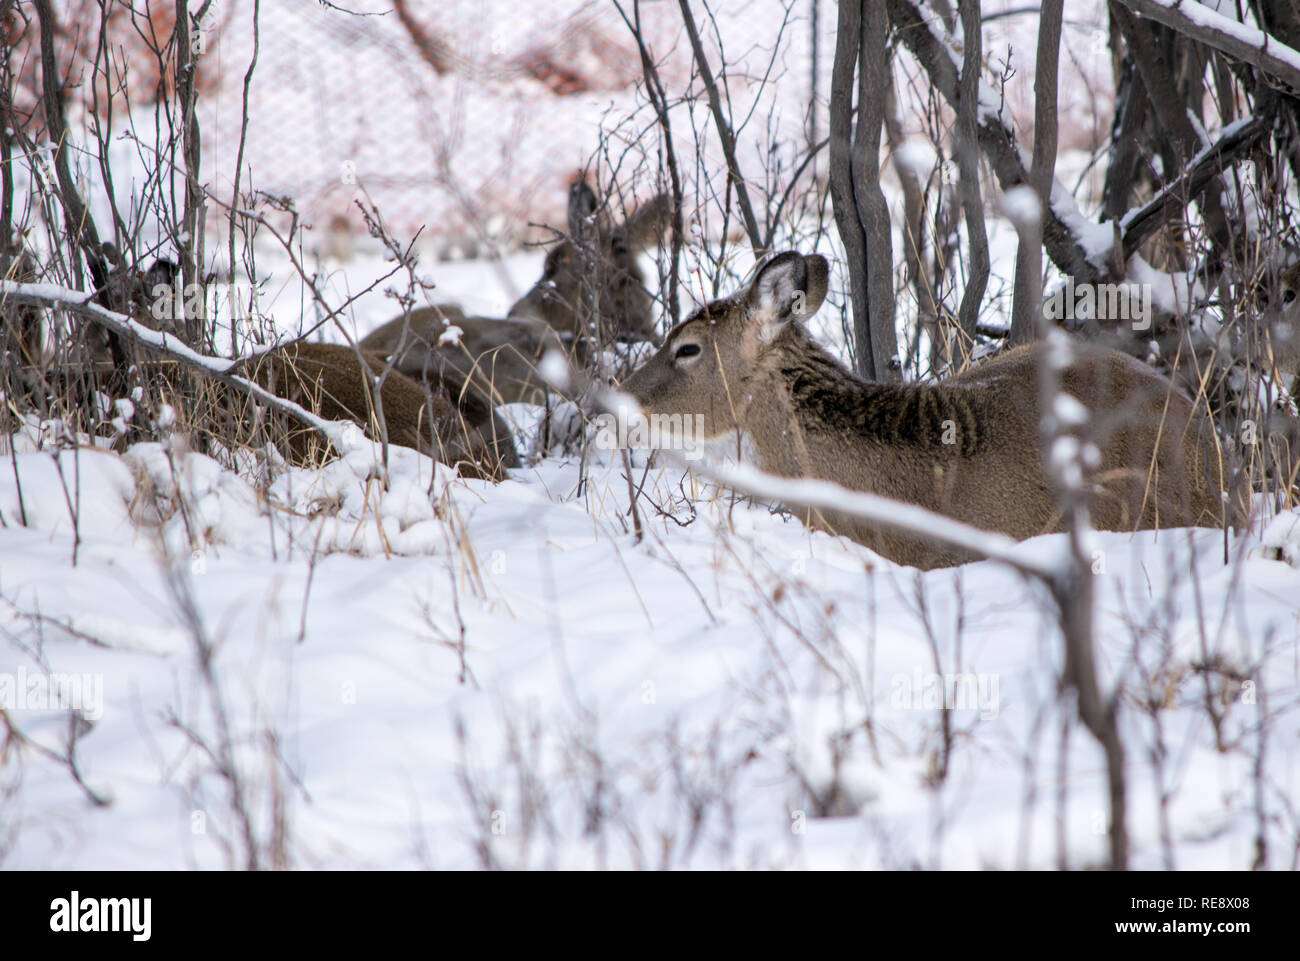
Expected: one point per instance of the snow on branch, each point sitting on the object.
(217, 368)
(822, 495)
(883, 512)
(1204, 24)
(1235, 141)
(1076, 245)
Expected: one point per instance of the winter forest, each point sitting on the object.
(650, 434)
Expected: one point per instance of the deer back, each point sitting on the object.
(969, 448)
(329, 379)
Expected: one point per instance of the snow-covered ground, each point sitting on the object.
(454, 674)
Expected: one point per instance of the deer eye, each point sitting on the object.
(1288, 295)
(687, 350)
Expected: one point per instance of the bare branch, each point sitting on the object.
(969, 175)
(659, 101)
(51, 295)
(852, 234)
(1180, 137)
(925, 37)
(724, 130)
(869, 199)
(1029, 255)
(1235, 143)
(79, 222)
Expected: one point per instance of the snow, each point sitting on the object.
(1173, 293)
(1227, 132)
(1021, 206)
(554, 369)
(1096, 239)
(421, 654)
(1283, 536)
(1244, 34)
(917, 157)
(422, 649)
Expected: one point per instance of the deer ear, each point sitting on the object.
(648, 223)
(819, 273)
(582, 208)
(778, 294)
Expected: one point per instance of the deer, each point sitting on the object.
(968, 448)
(455, 424)
(498, 356)
(591, 290)
(591, 283)
(20, 328)
(1282, 325)
(337, 383)
(85, 360)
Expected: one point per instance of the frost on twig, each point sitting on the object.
(77, 302)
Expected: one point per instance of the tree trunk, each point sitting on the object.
(861, 214)
(1027, 307)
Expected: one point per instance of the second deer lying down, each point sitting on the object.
(328, 379)
(591, 289)
(499, 357)
(968, 448)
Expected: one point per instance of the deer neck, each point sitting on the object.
(807, 412)
(780, 426)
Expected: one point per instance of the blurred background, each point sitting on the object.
(465, 120)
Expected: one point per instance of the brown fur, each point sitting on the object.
(591, 288)
(592, 285)
(328, 380)
(968, 448)
(500, 357)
